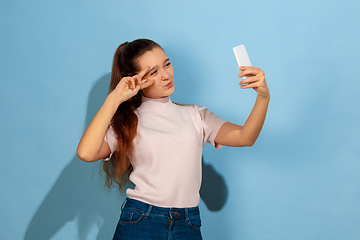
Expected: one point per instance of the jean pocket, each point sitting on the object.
(195, 221)
(130, 215)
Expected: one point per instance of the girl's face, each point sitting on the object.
(161, 71)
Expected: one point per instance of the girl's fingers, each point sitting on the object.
(256, 79)
(146, 83)
(143, 72)
(131, 83)
(127, 83)
(253, 82)
(137, 80)
(244, 71)
(250, 80)
(129, 86)
(250, 71)
(251, 85)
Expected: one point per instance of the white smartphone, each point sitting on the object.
(242, 56)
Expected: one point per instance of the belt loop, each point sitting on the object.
(147, 214)
(187, 215)
(170, 214)
(122, 205)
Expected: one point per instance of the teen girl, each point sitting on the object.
(159, 143)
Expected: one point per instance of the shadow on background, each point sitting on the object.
(213, 191)
(78, 193)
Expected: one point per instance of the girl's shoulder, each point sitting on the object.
(191, 108)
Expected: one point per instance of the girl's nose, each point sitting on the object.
(165, 76)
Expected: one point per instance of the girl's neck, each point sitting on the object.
(156, 104)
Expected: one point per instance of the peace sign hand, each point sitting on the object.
(130, 86)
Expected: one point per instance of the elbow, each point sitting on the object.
(82, 155)
(248, 143)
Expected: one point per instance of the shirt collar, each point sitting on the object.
(156, 104)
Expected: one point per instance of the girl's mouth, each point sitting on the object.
(168, 85)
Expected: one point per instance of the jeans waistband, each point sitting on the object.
(148, 209)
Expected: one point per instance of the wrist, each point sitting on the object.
(263, 97)
(114, 100)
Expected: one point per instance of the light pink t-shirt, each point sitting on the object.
(167, 152)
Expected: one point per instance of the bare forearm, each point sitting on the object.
(253, 125)
(93, 138)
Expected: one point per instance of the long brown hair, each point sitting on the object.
(124, 121)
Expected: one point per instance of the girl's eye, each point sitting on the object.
(153, 73)
(168, 64)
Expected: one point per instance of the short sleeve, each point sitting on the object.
(211, 126)
(111, 141)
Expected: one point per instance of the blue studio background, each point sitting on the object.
(299, 181)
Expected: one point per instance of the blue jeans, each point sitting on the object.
(139, 220)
